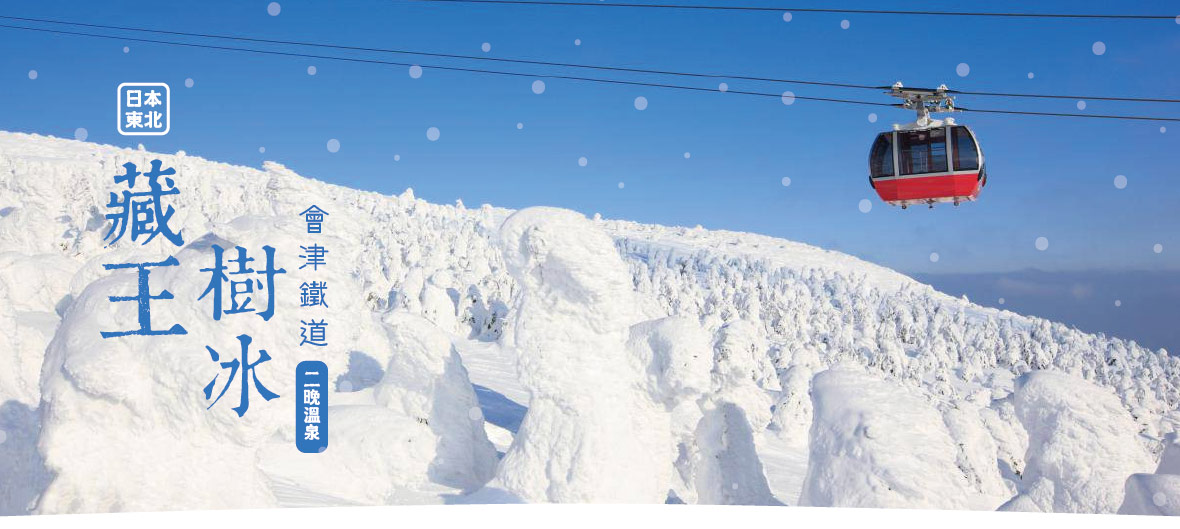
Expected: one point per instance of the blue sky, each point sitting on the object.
(1049, 177)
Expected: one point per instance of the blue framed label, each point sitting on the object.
(311, 407)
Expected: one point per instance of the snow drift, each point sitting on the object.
(608, 361)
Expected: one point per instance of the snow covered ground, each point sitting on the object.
(487, 355)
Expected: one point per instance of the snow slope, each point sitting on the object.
(491, 355)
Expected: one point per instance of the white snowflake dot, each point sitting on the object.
(415, 71)
(32, 74)
(582, 161)
(1120, 181)
(188, 82)
(724, 87)
(865, 205)
(577, 42)
(126, 49)
(1042, 243)
(261, 150)
(1081, 105)
(844, 24)
(788, 98)
(333, 145)
(519, 125)
(1163, 130)
(1031, 75)
(397, 157)
(273, 9)
(486, 47)
(1001, 301)
(538, 87)
(433, 133)
(621, 185)
(81, 133)
(1118, 302)
(1098, 48)
(787, 16)
(934, 257)
(963, 69)
(1159, 499)
(872, 117)
(640, 103)
(687, 155)
(1158, 248)
(786, 181)
(311, 70)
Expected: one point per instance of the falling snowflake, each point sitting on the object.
(1158, 248)
(844, 24)
(261, 150)
(1081, 105)
(188, 82)
(519, 125)
(538, 87)
(311, 70)
(32, 74)
(787, 16)
(1159, 499)
(1031, 75)
(486, 47)
(786, 181)
(963, 69)
(1118, 302)
(640, 103)
(397, 157)
(872, 117)
(273, 9)
(432, 133)
(724, 87)
(1001, 301)
(788, 97)
(1098, 48)
(577, 42)
(865, 205)
(126, 49)
(333, 145)
(934, 257)
(1120, 181)
(582, 161)
(1042, 243)
(415, 71)
(621, 185)
(81, 133)
(687, 155)
(1163, 130)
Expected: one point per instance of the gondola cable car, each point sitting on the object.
(927, 161)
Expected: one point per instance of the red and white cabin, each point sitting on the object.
(918, 165)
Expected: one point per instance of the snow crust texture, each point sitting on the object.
(487, 355)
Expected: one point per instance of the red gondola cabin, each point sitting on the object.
(919, 166)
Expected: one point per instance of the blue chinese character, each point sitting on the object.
(314, 217)
(312, 294)
(240, 291)
(248, 373)
(143, 298)
(314, 333)
(143, 211)
(313, 256)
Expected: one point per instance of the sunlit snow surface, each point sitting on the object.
(489, 355)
